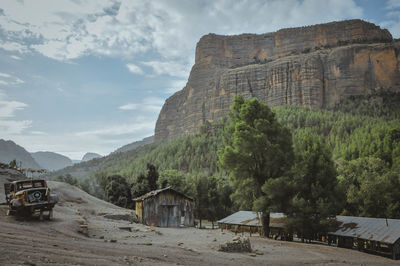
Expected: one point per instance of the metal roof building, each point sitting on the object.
(377, 235)
(249, 221)
(250, 218)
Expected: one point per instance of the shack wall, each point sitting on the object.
(139, 210)
(168, 209)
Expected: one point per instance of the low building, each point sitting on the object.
(373, 235)
(165, 208)
(251, 222)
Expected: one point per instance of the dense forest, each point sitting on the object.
(360, 135)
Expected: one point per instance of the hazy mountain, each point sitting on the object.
(51, 160)
(90, 155)
(134, 145)
(10, 151)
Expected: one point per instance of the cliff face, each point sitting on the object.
(311, 66)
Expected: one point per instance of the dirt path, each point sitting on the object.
(81, 234)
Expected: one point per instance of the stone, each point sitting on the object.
(313, 66)
(238, 245)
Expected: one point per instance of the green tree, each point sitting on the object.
(257, 148)
(140, 186)
(145, 183)
(201, 198)
(118, 191)
(371, 188)
(214, 200)
(152, 176)
(13, 164)
(173, 178)
(314, 201)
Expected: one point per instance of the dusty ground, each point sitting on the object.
(63, 241)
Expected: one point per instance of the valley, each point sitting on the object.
(107, 241)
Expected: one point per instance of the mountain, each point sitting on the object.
(10, 151)
(90, 156)
(50, 160)
(355, 128)
(135, 144)
(314, 66)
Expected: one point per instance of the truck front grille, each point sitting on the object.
(37, 195)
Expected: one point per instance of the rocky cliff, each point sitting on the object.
(312, 66)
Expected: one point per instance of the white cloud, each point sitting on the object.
(9, 80)
(9, 128)
(8, 108)
(15, 57)
(150, 104)
(4, 75)
(392, 4)
(14, 47)
(129, 106)
(36, 132)
(393, 18)
(71, 29)
(176, 85)
(117, 130)
(174, 69)
(134, 69)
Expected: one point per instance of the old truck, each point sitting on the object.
(27, 197)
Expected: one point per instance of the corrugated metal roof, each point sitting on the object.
(249, 218)
(158, 191)
(375, 229)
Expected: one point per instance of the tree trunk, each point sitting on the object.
(200, 224)
(212, 222)
(265, 223)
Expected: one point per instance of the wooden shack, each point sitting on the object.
(373, 235)
(165, 208)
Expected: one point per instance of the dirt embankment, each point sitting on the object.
(88, 231)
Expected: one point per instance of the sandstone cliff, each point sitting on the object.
(312, 66)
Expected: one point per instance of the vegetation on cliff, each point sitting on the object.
(364, 142)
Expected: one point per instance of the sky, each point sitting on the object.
(81, 76)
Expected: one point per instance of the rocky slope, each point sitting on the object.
(312, 66)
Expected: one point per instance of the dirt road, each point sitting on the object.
(81, 234)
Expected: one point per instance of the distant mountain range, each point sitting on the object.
(84, 167)
(10, 151)
(90, 156)
(52, 161)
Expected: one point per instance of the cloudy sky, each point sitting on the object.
(81, 76)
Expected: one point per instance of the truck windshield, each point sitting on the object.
(29, 184)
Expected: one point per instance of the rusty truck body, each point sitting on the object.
(30, 196)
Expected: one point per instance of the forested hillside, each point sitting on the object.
(361, 133)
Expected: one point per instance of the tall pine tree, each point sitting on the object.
(257, 148)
